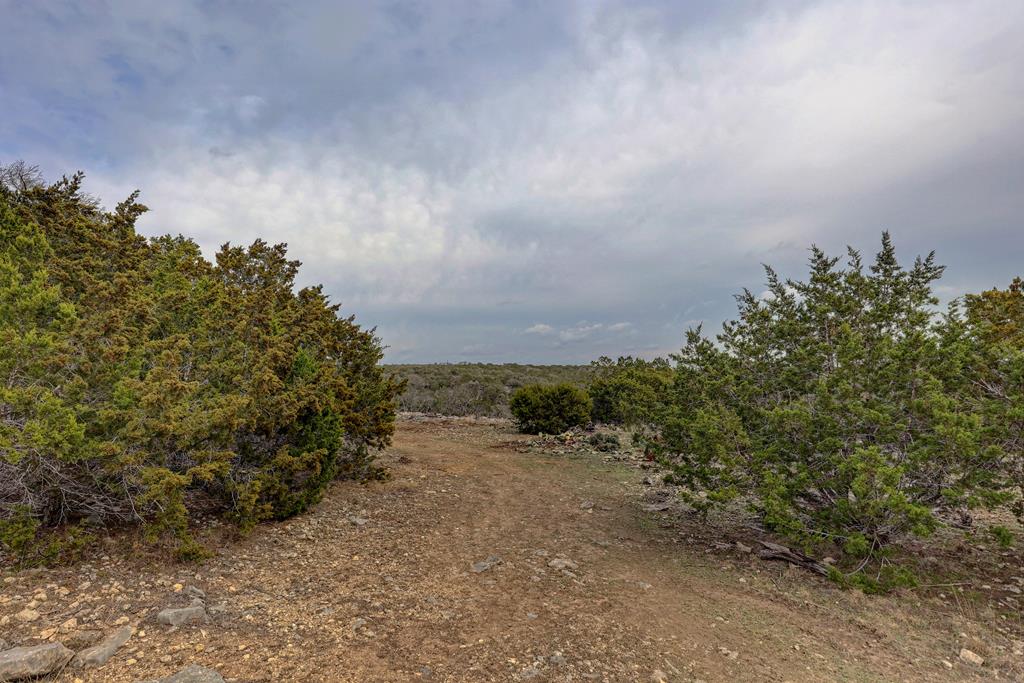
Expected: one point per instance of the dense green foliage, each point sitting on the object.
(142, 383)
(996, 321)
(549, 409)
(629, 390)
(481, 389)
(844, 410)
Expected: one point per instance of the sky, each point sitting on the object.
(538, 181)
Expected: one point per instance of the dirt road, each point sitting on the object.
(572, 581)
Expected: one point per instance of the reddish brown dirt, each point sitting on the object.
(319, 598)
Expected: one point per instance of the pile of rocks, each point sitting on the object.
(26, 662)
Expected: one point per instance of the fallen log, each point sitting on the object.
(774, 551)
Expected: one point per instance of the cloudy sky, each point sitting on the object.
(537, 181)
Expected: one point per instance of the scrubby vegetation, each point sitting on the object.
(629, 390)
(549, 409)
(141, 383)
(846, 412)
(481, 389)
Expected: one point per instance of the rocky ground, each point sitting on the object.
(490, 556)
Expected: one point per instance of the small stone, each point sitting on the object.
(355, 520)
(69, 625)
(484, 565)
(971, 657)
(562, 563)
(726, 652)
(556, 659)
(659, 676)
(78, 640)
(121, 621)
(946, 663)
(193, 673)
(195, 592)
(98, 655)
(183, 615)
(30, 662)
(529, 673)
(587, 505)
(177, 588)
(27, 615)
(47, 633)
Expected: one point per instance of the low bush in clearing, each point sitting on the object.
(541, 409)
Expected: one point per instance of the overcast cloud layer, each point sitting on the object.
(545, 181)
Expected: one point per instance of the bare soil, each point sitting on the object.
(584, 583)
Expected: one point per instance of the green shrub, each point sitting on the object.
(629, 390)
(140, 382)
(839, 408)
(995, 392)
(542, 409)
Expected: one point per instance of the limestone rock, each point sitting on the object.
(484, 565)
(193, 673)
(29, 662)
(27, 615)
(562, 563)
(183, 615)
(97, 655)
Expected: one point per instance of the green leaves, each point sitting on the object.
(629, 390)
(549, 409)
(138, 380)
(841, 407)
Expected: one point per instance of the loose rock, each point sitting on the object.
(562, 563)
(27, 615)
(195, 593)
(193, 673)
(971, 657)
(97, 655)
(529, 673)
(183, 615)
(30, 662)
(484, 565)
(78, 640)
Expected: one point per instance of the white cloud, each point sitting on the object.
(579, 332)
(626, 164)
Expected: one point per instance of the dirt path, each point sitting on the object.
(377, 584)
